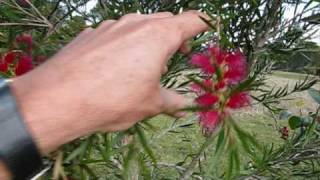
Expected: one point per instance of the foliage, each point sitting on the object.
(258, 28)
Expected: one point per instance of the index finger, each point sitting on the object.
(189, 23)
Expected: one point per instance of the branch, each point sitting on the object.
(179, 168)
(199, 157)
(54, 10)
(24, 24)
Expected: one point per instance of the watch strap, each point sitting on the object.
(17, 148)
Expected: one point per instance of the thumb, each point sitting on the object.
(173, 102)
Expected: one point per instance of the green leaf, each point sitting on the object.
(230, 166)
(194, 109)
(144, 168)
(236, 160)
(145, 144)
(89, 171)
(186, 125)
(132, 151)
(315, 94)
(295, 122)
(244, 85)
(220, 141)
(78, 151)
(183, 84)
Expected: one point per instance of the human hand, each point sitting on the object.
(107, 79)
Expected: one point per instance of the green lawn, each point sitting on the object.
(289, 75)
(173, 147)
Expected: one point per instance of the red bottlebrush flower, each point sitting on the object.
(207, 99)
(4, 66)
(25, 40)
(207, 83)
(209, 120)
(11, 56)
(203, 62)
(239, 100)
(220, 85)
(218, 54)
(23, 65)
(236, 68)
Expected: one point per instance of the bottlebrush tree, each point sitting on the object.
(226, 71)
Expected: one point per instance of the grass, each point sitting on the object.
(173, 147)
(289, 75)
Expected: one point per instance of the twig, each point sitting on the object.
(195, 161)
(179, 168)
(54, 10)
(190, 120)
(24, 24)
(39, 13)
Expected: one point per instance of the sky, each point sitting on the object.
(289, 13)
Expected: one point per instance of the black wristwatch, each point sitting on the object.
(18, 151)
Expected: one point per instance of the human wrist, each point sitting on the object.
(49, 126)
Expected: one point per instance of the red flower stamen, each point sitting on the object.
(239, 100)
(207, 99)
(209, 120)
(203, 62)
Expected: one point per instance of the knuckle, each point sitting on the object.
(158, 26)
(172, 35)
(149, 26)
